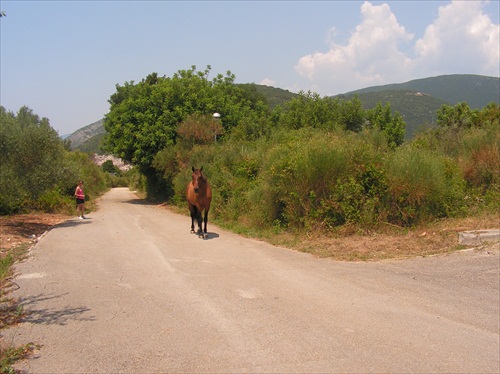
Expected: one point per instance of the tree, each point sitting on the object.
(109, 167)
(199, 129)
(459, 116)
(352, 114)
(144, 118)
(393, 126)
(32, 157)
(489, 114)
(308, 109)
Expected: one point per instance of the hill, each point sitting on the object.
(417, 101)
(476, 90)
(92, 144)
(85, 134)
(275, 96)
(418, 109)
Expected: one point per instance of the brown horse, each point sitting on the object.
(199, 197)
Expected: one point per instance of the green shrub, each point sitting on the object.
(53, 201)
(80, 166)
(422, 185)
(12, 194)
(313, 179)
(479, 156)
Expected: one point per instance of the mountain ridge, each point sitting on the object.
(416, 100)
(476, 90)
(80, 136)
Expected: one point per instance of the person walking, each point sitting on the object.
(80, 200)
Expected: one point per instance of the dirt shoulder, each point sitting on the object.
(393, 242)
(26, 228)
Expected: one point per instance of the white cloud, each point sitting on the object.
(370, 56)
(462, 39)
(268, 82)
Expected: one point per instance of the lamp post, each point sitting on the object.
(216, 117)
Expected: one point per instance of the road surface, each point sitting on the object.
(130, 290)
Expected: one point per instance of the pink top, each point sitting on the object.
(79, 193)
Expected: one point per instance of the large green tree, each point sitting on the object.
(144, 117)
(308, 109)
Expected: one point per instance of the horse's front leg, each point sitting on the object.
(192, 223)
(192, 210)
(200, 232)
(205, 219)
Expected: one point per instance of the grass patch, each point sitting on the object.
(8, 356)
(11, 311)
(5, 265)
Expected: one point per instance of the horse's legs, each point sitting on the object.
(192, 210)
(205, 219)
(200, 233)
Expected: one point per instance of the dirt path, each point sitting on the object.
(130, 290)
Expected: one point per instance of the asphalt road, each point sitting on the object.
(130, 290)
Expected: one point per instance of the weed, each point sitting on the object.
(5, 265)
(9, 355)
(11, 312)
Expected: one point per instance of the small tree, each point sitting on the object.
(199, 129)
(109, 167)
(393, 126)
(458, 116)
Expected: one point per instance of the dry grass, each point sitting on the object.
(17, 234)
(388, 242)
(25, 228)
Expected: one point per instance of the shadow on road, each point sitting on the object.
(46, 316)
(210, 235)
(139, 202)
(73, 223)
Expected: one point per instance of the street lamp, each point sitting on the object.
(216, 117)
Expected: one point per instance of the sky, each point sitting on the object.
(63, 59)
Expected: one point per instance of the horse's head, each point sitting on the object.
(198, 179)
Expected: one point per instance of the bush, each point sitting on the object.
(422, 185)
(32, 157)
(310, 178)
(53, 201)
(479, 156)
(79, 166)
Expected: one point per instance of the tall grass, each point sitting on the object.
(422, 185)
(479, 156)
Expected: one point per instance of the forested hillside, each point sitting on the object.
(476, 90)
(275, 96)
(418, 109)
(417, 101)
(83, 135)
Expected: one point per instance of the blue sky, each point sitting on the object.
(63, 59)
